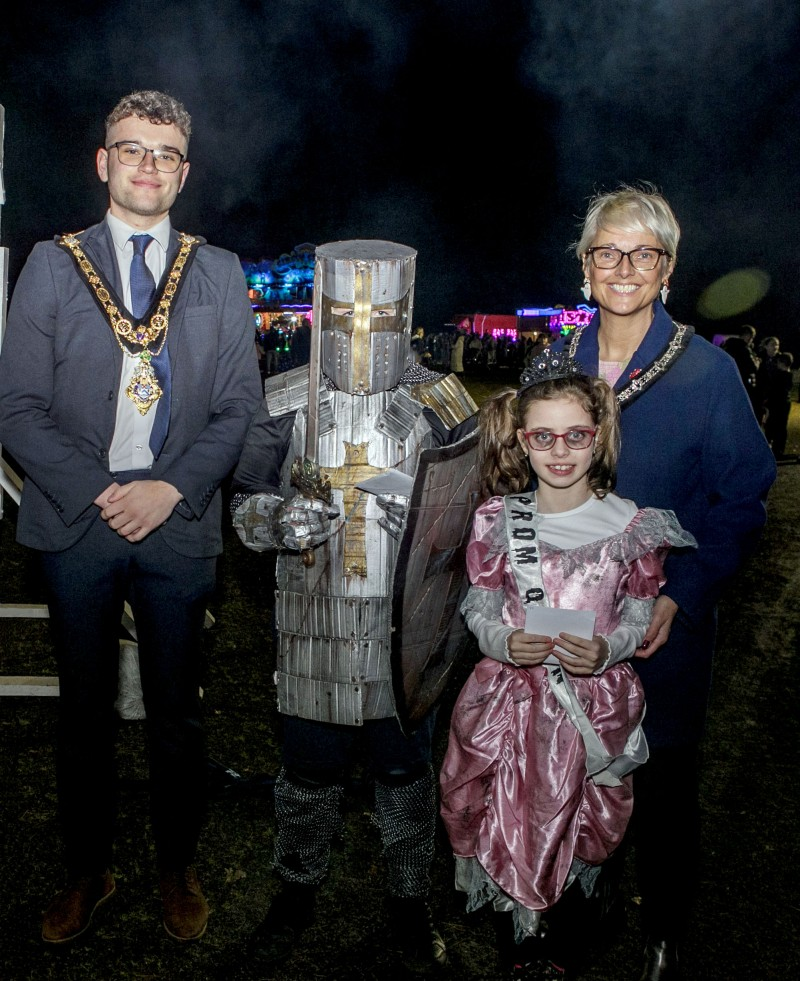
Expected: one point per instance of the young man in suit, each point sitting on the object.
(128, 379)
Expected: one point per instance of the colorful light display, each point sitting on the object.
(561, 319)
(287, 279)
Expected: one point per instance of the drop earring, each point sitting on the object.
(586, 289)
(664, 292)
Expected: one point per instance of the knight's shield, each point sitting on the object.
(430, 580)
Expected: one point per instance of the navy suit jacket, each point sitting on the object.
(60, 371)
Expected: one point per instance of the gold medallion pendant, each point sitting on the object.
(143, 389)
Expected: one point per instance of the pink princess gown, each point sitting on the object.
(522, 816)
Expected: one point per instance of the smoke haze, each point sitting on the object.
(473, 130)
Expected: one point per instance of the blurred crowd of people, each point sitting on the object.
(767, 374)
(462, 351)
(280, 346)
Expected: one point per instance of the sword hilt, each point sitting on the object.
(311, 482)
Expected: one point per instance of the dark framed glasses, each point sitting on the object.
(165, 159)
(644, 259)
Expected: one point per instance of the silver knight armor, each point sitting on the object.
(367, 301)
(334, 618)
(333, 615)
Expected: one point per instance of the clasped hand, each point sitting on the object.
(664, 612)
(583, 656)
(134, 510)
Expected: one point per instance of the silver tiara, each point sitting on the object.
(548, 366)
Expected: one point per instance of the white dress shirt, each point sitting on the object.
(130, 447)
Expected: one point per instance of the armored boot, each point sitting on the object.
(291, 912)
(405, 813)
(414, 934)
(307, 818)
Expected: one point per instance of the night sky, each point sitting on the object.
(473, 130)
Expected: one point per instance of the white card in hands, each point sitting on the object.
(549, 621)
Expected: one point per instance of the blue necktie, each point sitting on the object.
(143, 290)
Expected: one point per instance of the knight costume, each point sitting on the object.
(375, 413)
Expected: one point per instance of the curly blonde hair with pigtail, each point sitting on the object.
(504, 462)
(504, 466)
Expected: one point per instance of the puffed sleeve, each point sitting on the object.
(487, 545)
(653, 532)
(650, 536)
(483, 605)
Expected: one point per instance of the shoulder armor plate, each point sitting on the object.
(288, 392)
(448, 398)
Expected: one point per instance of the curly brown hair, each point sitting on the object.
(504, 464)
(155, 107)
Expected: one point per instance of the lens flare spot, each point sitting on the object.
(733, 293)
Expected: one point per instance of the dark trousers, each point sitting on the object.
(666, 835)
(321, 752)
(776, 428)
(87, 586)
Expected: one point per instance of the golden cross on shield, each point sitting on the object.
(354, 469)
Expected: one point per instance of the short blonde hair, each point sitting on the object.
(633, 209)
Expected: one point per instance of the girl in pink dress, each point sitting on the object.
(536, 791)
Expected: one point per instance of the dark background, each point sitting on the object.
(474, 130)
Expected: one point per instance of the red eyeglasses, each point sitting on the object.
(575, 439)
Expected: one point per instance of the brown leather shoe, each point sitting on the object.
(185, 906)
(70, 913)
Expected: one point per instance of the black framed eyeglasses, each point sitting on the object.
(165, 159)
(576, 439)
(644, 259)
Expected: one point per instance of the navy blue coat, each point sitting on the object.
(690, 443)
